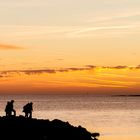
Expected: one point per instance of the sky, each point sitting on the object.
(76, 46)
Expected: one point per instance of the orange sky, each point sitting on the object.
(51, 46)
(109, 80)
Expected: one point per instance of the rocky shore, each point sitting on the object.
(21, 128)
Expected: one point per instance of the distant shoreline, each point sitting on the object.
(130, 95)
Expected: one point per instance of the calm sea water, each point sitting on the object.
(115, 117)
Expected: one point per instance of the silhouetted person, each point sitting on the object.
(7, 109)
(10, 108)
(27, 109)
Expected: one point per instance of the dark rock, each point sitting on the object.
(21, 128)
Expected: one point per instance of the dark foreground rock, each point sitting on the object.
(20, 128)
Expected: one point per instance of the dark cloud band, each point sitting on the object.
(53, 71)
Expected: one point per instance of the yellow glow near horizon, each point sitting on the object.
(52, 34)
(97, 80)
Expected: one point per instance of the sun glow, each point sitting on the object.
(93, 80)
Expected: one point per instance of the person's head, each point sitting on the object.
(8, 103)
(12, 101)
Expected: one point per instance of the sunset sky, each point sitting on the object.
(70, 46)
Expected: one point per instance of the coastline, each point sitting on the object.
(38, 129)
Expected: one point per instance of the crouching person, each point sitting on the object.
(28, 109)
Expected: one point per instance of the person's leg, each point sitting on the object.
(26, 114)
(30, 114)
(6, 113)
(14, 112)
(9, 113)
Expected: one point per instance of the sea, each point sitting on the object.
(114, 117)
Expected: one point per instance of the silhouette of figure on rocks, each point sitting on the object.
(7, 110)
(27, 109)
(10, 108)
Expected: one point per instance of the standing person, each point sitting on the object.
(7, 109)
(30, 109)
(10, 108)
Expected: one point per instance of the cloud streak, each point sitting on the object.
(72, 69)
(21, 32)
(9, 47)
(22, 4)
(90, 29)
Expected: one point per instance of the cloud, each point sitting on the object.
(53, 71)
(90, 29)
(113, 67)
(91, 66)
(138, 67)
(109, 67)
(24, 32)
(24, 3)
(39, 71)
(77, 69)
(1, 76)
(119, 67)
(29, 72)
(9, 47)
(60, 59)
